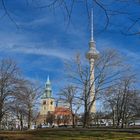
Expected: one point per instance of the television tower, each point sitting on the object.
(92, 55)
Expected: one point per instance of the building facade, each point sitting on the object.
(50, 114)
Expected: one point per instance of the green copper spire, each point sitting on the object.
(48, 90)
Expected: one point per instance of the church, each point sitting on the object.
(51, 114)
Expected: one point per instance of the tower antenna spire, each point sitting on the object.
(91, 18)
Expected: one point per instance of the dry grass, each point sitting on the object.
(69, 134)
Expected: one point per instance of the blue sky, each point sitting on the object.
(43, 42)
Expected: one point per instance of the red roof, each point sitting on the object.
(62, 111)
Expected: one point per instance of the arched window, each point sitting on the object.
(44, 102)
(51, 102)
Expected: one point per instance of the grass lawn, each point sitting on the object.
(68, 134)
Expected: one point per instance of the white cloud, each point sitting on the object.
(35, 51)
(20, 43)
(42, 51)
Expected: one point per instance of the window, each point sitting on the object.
(51, 102)
(44, 102)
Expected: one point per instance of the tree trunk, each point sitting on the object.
(118, 121)
(73, 120)
(29, 119)
(1, 114)
(21, 122)
(0, 124)
(86, 115)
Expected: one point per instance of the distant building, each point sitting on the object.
(62, 116)
(50, 114)
(135, 122)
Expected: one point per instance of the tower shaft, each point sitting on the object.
(92, 86)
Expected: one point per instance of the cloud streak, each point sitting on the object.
(41, 51)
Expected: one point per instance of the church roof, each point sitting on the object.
(62, 111)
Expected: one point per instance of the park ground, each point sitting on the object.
(71, 134)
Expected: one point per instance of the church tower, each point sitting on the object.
(92, 55)
(47, 101)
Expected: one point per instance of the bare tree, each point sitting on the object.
(31, 96)
(108, 69)
(26, 101)
(107, 9)
(68, 95)
(136, 103)
(9, 79)
(120, 99)
(19, 112)
(110, 11)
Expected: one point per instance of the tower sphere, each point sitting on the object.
(92, 54)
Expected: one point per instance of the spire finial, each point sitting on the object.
(91, 39)
(48, 80)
